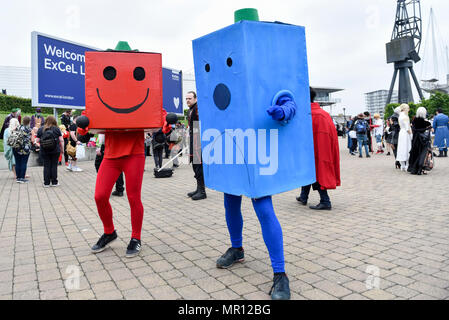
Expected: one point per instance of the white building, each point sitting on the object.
(377, 100)
(16, 81)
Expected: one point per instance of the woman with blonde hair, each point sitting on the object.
(51, 147)
(405, 137)
(9, 154)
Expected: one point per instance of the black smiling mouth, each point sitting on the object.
(126, 110)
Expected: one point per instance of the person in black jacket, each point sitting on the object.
(394, 129)
(421, 143)
(158, 141)
(65, 120)
(195, 147)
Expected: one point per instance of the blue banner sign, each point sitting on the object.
(57, 72)
(172, 90)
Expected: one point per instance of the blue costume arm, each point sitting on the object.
(284, 109)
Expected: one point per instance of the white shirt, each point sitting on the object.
(380, 129)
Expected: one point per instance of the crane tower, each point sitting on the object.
(403, 49)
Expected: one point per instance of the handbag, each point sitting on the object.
(164, 173)
(80, 152)
(429, 161)
(71, 150)
(352, 134)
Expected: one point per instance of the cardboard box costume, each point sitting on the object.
(240, 70)
(124, 90)
(123, 97)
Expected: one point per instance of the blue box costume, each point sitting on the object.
(256, 126)
(265, 59)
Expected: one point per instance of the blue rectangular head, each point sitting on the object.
(239, 70)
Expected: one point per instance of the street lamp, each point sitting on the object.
(344, 123)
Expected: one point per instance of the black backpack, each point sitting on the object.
(48, 141)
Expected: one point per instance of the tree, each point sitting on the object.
(436, 100)
(389, 110)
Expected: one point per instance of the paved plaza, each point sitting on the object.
(387, 237)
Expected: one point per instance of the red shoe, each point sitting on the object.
(66, 164)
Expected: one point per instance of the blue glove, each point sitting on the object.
(276, 112)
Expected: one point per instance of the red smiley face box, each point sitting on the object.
(123, 90)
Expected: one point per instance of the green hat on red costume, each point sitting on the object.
(246, 14)
(123, 46)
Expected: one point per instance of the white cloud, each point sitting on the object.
(346, 38)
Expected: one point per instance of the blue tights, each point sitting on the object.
(271, 229)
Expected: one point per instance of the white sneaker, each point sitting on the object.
(76, 169)
(69, 167)
(55, 185)
(46, 186)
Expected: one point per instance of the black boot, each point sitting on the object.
(201, 194)
(191, 194)
(440, 155)
(445, 154)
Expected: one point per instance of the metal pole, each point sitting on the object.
(172, 159)
(416, 83)
(390, 93)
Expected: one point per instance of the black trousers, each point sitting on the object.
(66, 156)
(120, 183)
(50, 168)
(157, 153)
(198, 170)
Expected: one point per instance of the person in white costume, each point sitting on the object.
(405, 138)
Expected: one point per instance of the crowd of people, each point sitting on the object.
(409, 141)
(23, 136)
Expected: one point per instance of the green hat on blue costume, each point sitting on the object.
(246, 14)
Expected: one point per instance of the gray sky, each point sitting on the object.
(345, 38)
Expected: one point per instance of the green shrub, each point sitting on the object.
(7, 103)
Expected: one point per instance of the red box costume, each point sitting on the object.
(123, 97)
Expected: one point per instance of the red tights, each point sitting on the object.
(110, 169)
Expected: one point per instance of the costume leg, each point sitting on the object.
(271, 232)
(109, 171)
(133, 168)
(234, 219)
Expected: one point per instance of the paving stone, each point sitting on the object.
(225, 294)
(332, 288)
(317, 294)
(378, 294)
(192, 292)
(209, 285)
(137, 294)
(164, 293)
(81, 295)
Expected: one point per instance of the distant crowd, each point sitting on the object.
(411, 142)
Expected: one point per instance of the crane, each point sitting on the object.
(403, 49)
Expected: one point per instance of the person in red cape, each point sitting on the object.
(327, 157)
